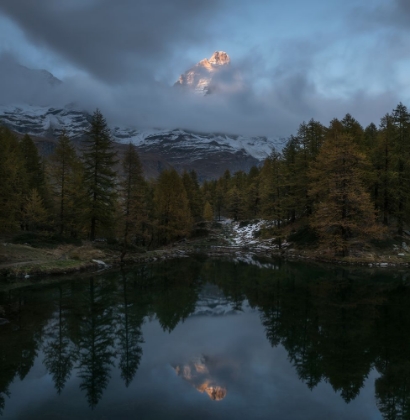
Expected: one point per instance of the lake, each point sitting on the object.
(200, 338)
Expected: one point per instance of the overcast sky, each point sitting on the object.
(299, 59)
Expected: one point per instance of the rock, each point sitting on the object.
(405, 247)
(100, 263)
(384, 264)
(400, 255)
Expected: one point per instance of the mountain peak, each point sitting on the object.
(200, 76)
(220, 58)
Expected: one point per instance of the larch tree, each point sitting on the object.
(196, 205)
(13, 181)
(401, 121)
(33, 164)
(272, 192)
(65, 171)
(253, 198)
(309, 141)
(171, 207)
(132, 198)
(235, 203)
(208, 212)
(343, 209)
(35, 175)
(34, 213)
(99, 159)
(382, 159)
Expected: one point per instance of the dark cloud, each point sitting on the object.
(124, 46)
(18, 84)
(113, 40)
(400, 13)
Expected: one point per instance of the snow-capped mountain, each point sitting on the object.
(212, 302)
(210, 75)
(44, 121)
(210, 154)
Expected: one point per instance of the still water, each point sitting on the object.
(209, 339)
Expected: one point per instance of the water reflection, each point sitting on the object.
(335, 325)
(199, 373)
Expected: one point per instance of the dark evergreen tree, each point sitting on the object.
(196, 203)
(65, 172)
(383, 167)
(13, 185)
(99, 159)
(33, 165)
(96, 341)
(343, 210)
(129, 335)
(133, 203)
(401, 120)
(171, 207)
(59, 354)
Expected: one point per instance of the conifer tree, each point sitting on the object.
(401, 120)
(13, 181)
(33, 164)
(35, 174)
(65, 173)
(292, 203)
(307, 145)
(171, 207)
(252, 194)
(190, 181)
(384, 175)
(343, 209)
(133, 188)
(220, 198)
(272, 192)
(208, 212)
(99, 175)
(34, 214)
(235, 203)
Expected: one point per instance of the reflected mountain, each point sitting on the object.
(211, 301)
(200, 373)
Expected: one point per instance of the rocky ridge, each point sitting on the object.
(201, 77)
(210, 154)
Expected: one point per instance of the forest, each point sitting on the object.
(343, 183)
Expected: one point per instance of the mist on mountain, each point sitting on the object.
(235, 103)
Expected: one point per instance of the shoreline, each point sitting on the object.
(12, 273)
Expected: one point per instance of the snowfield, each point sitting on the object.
(49, 122)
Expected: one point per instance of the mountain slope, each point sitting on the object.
(210, 154)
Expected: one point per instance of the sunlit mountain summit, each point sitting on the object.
(199, 373)
(211, 75)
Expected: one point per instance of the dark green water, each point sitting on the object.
(209, 339)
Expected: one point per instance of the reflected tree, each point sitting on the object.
(96, 341)
(177, 292)
(59, 354)
(393, 392)
(129, 335)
